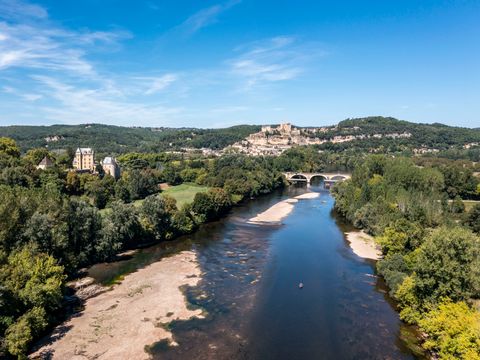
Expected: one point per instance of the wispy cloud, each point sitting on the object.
(58, 74)
(203, 18)
(76, 105)
(48, 48)
(272, 60)
(16, 9)
(55, 64)
(25, 96)
(157, 84)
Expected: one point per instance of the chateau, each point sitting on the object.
(84, 160)
(111, 167)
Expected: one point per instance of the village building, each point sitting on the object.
(45, 163)
(84, 160)
(110, 167)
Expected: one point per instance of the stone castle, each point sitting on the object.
(84, 161)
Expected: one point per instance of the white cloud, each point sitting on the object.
(16, 9)
(31, 97)
(273, 60)
(204, 17)
(47, 48)
(160, 83)
(77, 105)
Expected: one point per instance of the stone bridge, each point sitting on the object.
(328, 178)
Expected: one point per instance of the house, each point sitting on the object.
(84, 159)
(45, 163)
(111, 167)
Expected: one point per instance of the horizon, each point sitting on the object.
(241, 124)
(224, 63)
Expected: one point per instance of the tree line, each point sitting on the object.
(431, 246)
(51, 223)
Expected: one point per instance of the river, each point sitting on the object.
(249, 289)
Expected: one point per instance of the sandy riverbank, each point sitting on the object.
(363, 245)
(310, 195)
(276, 213)
(120, 323)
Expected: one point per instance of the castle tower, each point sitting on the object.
(84, 159)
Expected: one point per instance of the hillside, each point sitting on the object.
(430, 135)
(373, 134)
(382, 133)
(118, 140)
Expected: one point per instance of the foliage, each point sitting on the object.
(33, 284)
(454, 331)
(108, 139)
(428, 257)
(472, 219)
(447, 264)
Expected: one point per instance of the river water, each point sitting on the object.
(249, 290)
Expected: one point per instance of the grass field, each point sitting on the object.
(183, 193)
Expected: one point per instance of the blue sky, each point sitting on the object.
(220, 63)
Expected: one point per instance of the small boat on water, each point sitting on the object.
(300, 286)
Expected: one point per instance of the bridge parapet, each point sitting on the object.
(307, 177)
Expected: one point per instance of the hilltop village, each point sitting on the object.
(275, 140)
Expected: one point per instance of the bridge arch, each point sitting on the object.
(338, 178)
(322, 177)
(298, 177)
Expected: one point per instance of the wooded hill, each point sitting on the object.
(118, 140)
(435, 135)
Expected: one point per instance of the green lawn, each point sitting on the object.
(183, 193)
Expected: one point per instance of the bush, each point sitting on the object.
(454, 331)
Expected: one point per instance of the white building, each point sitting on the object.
(111, 167)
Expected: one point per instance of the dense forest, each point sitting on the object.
(434, 139)
(431, 245)
(108, 139)
(114, 140)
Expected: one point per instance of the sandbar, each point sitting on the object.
(277, 212)
(309, 195)
(363, 245)
(123, 322)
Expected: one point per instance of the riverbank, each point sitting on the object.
(276, 213)
(124, 321)
(363, 245)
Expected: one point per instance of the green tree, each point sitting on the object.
(121, 229)
(472, 219)
(34, 156)
(448, 265)
(454, 331)
(9, 147)
(457, 206)
(20, 335)
(155, 217)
